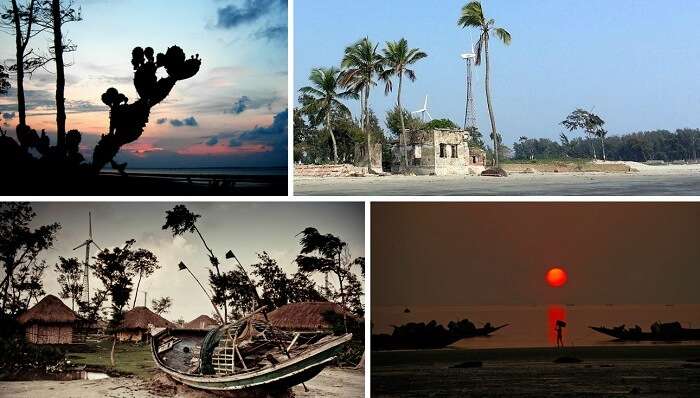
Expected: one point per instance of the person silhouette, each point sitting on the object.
(559, 328)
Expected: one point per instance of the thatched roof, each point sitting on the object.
(49, 310)
(305, 316)
(201, 322)
(141, 317)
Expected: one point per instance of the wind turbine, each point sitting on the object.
(470, 111)
(424, 110)
(87, 243)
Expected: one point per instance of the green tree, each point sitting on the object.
(398, 56)
(590, 123)
(361, 64)
(473, 17)
(69, 273)
(393, 121)
(328, 254)
(322, 99)
(441, 124)
(143, 263)
(20, 248)
(162, 305)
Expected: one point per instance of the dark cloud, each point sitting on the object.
(273, 134)
(190, 121)
(245, 103)
(250, 11)
(162, 120)
(277, 33)
(8, 115)
(212, 141)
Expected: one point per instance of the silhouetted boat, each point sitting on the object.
(659, 332)
(421, 336)
(243, 354)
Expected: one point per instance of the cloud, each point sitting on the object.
(161, 120)
(273, 134)
(8, 115)
(276, 33)
(250, 11)
(45, 100)
(190, 121)
(212, 141)
(245, 103)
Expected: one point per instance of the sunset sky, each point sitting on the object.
(232, 113)
(427, 254)
(245, 228)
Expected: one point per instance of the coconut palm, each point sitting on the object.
(322, 99)
(361, 64)
(473, 17)
(397, 57)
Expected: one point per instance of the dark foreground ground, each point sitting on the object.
(655, 371)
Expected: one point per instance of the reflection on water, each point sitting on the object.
(527, 321)
(554, 313)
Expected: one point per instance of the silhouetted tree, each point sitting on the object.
(20, 247)
(4, 81)
(277, 289)
(69, 273)
(143, 263)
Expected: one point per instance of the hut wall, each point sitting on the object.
(49, 333)
(130, 335)
(436, 152)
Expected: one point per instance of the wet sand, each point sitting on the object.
(603, 372)
(649, 180)
(332, 382)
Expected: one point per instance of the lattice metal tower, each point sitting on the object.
(470, 109)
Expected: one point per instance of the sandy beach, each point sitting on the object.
(603, 372)
(332, 382)
(676, 180)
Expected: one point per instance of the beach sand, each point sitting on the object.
(604, 372)
(677, 180)
(332, 382)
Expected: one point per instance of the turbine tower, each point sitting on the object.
(87, 243)
(424, 111)
(470, 110)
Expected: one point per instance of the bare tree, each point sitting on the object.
(20, 20)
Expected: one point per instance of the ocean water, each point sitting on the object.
(533, 326)
(212, 170)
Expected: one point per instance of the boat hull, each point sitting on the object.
(284, 375)
(627, 335)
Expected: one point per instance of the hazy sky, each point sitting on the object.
(208, 120)
(498, 253)
(245, 228)
(634, 62)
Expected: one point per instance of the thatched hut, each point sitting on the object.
(49, 322)
(202, 322)
(134, 327)
(308, 316)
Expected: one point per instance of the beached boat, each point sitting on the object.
(244, 354)
(420, 336)
(659, 332)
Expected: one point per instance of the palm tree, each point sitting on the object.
(361, 63)
(397, 57)
(322, 99)
(473, 17)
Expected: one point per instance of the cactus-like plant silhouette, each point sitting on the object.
(127, 121)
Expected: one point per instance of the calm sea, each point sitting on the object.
(533, 326)
(214, 170)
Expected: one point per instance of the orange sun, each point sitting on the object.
(556, 277)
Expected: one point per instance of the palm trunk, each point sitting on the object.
(330, 132)
(111, 354)
(488, 104)
(402, 138)
(366, 128)
(60, 77)
(21, 106)
(593, 148)
(137, 290)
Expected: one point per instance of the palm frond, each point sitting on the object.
(472, 15)
(478, 48)
(503, 35)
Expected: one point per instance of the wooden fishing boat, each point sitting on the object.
(424, 337)
(659, 332)
(243, 354)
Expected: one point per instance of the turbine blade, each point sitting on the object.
(90, 223)
(429, 117)
(99, 248)
(78, 247)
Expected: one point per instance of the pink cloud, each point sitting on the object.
(223, 148)
(141, 148)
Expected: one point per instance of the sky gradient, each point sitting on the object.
(633, 62)
(245, 228)
(445, 254)
(222, 117)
